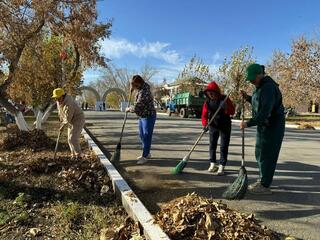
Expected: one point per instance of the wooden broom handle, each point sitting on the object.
(242, 130)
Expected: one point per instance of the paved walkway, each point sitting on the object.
(293, 209)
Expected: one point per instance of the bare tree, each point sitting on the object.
(194, 74)
(114, 77)
(232, 74)
(147, 72)
(232, 71)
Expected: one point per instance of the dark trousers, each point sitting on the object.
(224, 144)
(146, 126)
(268, 145)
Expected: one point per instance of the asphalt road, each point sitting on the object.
(292, 209)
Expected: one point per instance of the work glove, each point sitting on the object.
(205, 129)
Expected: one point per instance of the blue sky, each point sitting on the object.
(166, 34)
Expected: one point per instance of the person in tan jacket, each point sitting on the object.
(70, 114)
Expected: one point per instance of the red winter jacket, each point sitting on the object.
(230, 109)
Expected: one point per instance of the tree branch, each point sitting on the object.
(14, 63)
(76, 63)
(12, 67)
(38, 29)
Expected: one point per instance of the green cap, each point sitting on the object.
(252, 71)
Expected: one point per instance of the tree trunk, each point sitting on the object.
(35, 112)
(42, 116)
(20, 121)
(38, 121)
(48, 111)
(238, 111)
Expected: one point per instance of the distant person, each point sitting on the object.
(170, 106)
(9, 117)
(268, 115)
(86, 106)
(144, 108)
(104, 106)
(70, 114)
(201, 93)
(82, 105)
(220, 126)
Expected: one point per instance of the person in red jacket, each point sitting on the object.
(221, 126)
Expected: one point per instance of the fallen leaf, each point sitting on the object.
(104, 189)
(35, 231)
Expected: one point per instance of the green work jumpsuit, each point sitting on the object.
(268, 116)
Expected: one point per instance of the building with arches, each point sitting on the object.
(100, 100)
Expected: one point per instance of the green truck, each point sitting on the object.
(186, 104)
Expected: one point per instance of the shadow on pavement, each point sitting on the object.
(295, 182)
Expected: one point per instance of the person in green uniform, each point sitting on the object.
(268, 115)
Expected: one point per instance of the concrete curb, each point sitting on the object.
(294, 126)
(132, 204)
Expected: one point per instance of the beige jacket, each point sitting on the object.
(70, 112)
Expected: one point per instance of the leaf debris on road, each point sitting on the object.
(193, 217)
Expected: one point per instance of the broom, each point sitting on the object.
(117, 152)
(183, 163)
(238, 188)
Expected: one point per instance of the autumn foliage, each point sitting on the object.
(297, 72)
(34, 36)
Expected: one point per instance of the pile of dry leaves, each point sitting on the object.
(194, 217)
(129, 230)
(86, 175)
(34, 139)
